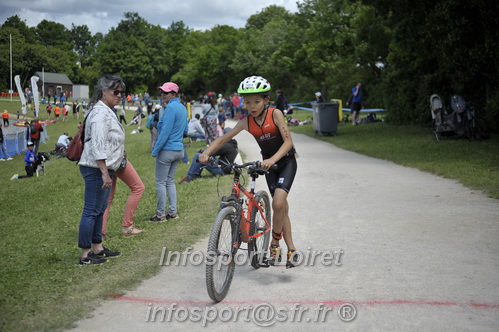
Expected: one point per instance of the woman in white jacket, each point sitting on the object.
(103, 153)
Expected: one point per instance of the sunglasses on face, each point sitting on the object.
(165, 93)
(117, 92)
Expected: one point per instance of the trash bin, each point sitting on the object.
(325, 118)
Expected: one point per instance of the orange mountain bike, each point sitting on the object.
(244, 216)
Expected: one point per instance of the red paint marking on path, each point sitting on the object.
(477, 305)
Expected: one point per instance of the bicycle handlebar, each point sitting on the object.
(252, 166)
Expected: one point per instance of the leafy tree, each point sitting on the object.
(326, 55)
(446, 47)
(178, 35)
(267, 46)
(18, 50)
(135, 50)
(84, 44)
(209, 55)
(15, 22)
(54, 34)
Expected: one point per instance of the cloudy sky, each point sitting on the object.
(101, 15)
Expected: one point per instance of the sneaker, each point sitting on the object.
(184, 180)
(15, 177)
(1, 159)
(158, 218)
(292, 259)
(172, 216)
(92, 259)
(275, 255)
(108, 253)
(9, 158)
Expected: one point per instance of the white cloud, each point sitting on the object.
(100, 16)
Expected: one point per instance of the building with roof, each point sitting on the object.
(54, 83)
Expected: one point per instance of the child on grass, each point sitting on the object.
(30, 159)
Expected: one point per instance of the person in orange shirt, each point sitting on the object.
(128, 99)
(5, 116)
(57, 112)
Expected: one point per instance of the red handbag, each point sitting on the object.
(75, 147)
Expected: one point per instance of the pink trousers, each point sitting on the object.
(130, 177)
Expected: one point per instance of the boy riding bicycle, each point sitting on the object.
(271, 132)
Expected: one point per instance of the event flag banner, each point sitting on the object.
(17, 79)
(36, 97)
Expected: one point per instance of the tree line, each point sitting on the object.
(402, 51)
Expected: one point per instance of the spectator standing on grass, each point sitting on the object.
(75, 108)
(65, 112)
(168, 151)
(210, 117)
(78, 107)
(235, 106)
(221, 117)
(139, 115)
(5, 117)
(281, 102)
(148, 104)
(123, 102)
(35, 133)
(49, 110)
(102, 155)
(122, 115)
(152, 125)
(356, 103)
(3, 149)
(57, 112)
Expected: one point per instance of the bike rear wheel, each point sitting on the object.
(220, 264)
(257, 247)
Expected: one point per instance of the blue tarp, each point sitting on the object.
(367, 110)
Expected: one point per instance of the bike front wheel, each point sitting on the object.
(220, 263)
(257, 247)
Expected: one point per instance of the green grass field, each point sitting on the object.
(43, 288)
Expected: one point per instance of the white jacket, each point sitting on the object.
(104, 138)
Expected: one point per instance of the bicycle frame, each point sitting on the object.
(244, 219)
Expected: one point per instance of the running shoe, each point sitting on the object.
(275, 254)
(92, 259)
(158, 218)
(108, 253)
(292, 260)
(172, 216)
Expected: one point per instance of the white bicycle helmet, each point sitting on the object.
(254, 84)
